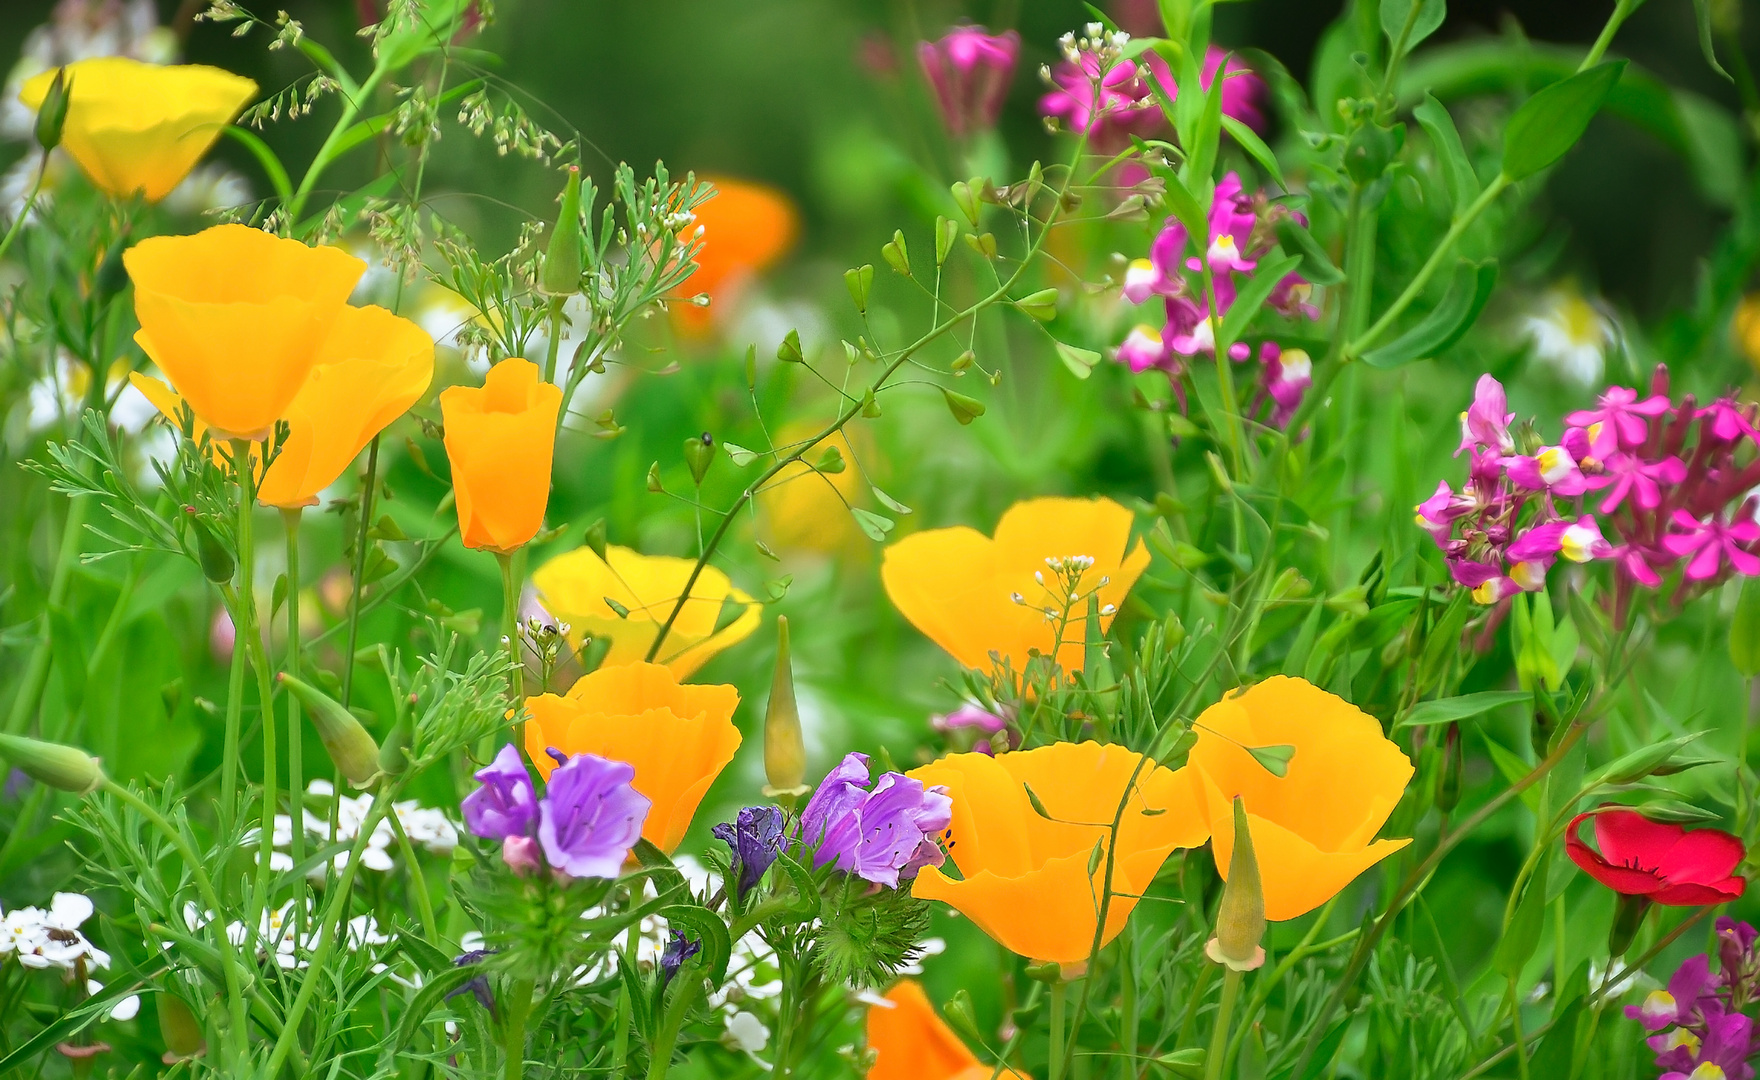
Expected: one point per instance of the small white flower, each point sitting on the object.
(126, 1009)
(746, 1032)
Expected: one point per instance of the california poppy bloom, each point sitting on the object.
(1657, 861)
(501, 440)
(371, 369)
(678, 737)
(974, 595)
(1024, 877)
(1314, 827)
(747, 227)
(911, 1042)
(576, 585)
(136, 127)
(236, 318)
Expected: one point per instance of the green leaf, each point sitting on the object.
(430, 997)
(1424, 16)
(709, 931)
(277, 595)
(1643, 761)
(1556, 1053)
(1201, 150)
(1251, 298)
(1447, 323)
(1273, 759)
(740, 455)
(888, 501)
(1463, 182)
(1675, 812)
(1744, 630)
(1317, 266)
(1079, 361)
(874, 525)
(1449, 710)
(1523, 935)
(1256, 149)
(1550, 123)
(266, 157)
(76, 1020)
(1702, 12)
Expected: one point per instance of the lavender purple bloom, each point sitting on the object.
(590, 816)
(879, 835)
(507, 804)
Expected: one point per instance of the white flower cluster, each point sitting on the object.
(278, 937)
(52, 939)
(429, 829)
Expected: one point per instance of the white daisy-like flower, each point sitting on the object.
(1571, 334)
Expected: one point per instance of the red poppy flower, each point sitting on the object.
(1657, 861)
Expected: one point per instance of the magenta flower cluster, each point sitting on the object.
(1111, 103)
(881, 834)
(1700, 1029)
(969, 70)
(1642, 481)
(1240, 227)
(584, 826)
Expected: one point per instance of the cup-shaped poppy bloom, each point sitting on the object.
(236, 318)
(1314, 827)
(578, 587)
(974, 595)
(911, 1042)
(136, 127)
(677, 737)
(1024, 877)
(1658, 861)
(501, 439)
(747, 228)
(371, 369)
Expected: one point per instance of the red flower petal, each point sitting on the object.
(1621, 879)
(1697, 894)
(1701, 857)
(1628, 838)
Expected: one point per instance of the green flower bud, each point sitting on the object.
(1240, 920)
(216, 561)
(180, 1029)
(785, 751)
(345, 740)
(1041, 305)
(52, 116)
(563, 259)
(65, 768)
(965, 409)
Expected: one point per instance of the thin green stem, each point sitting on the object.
(368, 486)
(513, 1038)
(1213, 1058)
(555, 343)
(295, 733)
(327, 153)
(418, 881)
(229, 767)
(36, 674)
(1058, 991)
(1515, 1022)
(250, 636)
(24, 211)
(690, 987)
(510, 637)
(1621, 11)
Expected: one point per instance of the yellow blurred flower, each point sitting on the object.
(235, 318)
(959, 586)
(371, 369)
(1024, 877)
(142, 127)
(747, 228)
(806, 510)
(576, 585)
(911, 1042)
(1314, 828)
(501, 440)
(1747, 328)
(678, 737)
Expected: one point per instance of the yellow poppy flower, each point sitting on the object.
(372, 368)
(1024, 877)
(501, 440)
(235, 318)
(142, 127)
(678, 737)
(911, 1042)
(806, 510)
(1314, 828)
(747, 228)
(576, 584)
(958, 586)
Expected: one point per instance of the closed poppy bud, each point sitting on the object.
(1240, 919)
(501, 440)
(216, 561)
(180, 1029)
(561, 275)
(64, 768)
(138, 127)
(394, 754)
(52, 114)
(354, 752)
(785, 753)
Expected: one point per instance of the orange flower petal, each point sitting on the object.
(501, 439)
(910, 1040)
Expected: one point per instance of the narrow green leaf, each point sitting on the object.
(1251, 298)
(1550, 123)
(1702, 13)
(1447, 323)
(1256, 149)
(740, 455)
(1036, 803)
(1463, 182)
(1201, 151)
(1449, 710)
(1317, 266)
(1523, 935)
(1425, 16)
(266, 157)
(874, 525)
(709, 931)
(888, 501)
(1676, 812)
(1744, 630)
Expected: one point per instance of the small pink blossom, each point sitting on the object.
(969, 70)
(1620, 421)
(1628, 474)
(1709, 543)
(1486, 421)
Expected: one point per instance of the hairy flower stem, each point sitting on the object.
(513, 1036)
(295, 736)
(369, 486)
(247, 632)
(1213, 1058)
(690, 987)
(1055, 1066)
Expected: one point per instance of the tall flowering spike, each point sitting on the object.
(1661, 862)
(879, 835)
(590, 816)
(140, 128)
(1028, 879)
(959, 587)
(969, 70)
(208, 302)
(1313, 828)
(1240, 919)
(756, 838)
(500, 440)
(506, 804)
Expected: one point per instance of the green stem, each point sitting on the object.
(368, 487)
(513, 1041)
(250, 636)
(327, 153)
(234, 715)
(1492, 190)
(1515, 1022)
(1213, 1058)
(1058, 990)
(690, 985)
(1621, 11)
(24, 211)
(295, 733)
(510, 639)
(36, 675)
(417, 880)
(555, 344)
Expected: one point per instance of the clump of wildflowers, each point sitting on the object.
(1699, 1029)
(879, 834)
(1096, 92)
(584, 826)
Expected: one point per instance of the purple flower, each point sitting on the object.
(1710, 542)
(590, 816)
(1109, 107)
(756, 838)
(1485, 424)
(987, 730)
(1724, 1045)
(477, 986)
(1620, 422)
(1628, 474)
(970, 69)
(1552, 469)
(678, 949)
(879, 835)
(1689, 989)
(1159, 274)
(1437, 514)
(506, 805)
(1242, 91)
(1737, 964)
(523, 855)
(1142, 349)
(1287, 375)
(1638, 564)
(1290, 297)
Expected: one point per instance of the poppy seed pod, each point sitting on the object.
(1240, 919)
(347, 742)
(785, 752)
(52, 114)
(180, 1029)
(64, 768)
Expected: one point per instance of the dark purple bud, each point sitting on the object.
(477, 986)
(678, 949)
(756, 839)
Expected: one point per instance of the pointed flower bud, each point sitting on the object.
(52, 115)
(561, 275)
(785, 751)
(65, 768)
(1240, 921)
(347, 742)
(215, 559)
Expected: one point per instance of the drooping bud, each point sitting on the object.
(180, 1029)
(65, 768)
(785, 751)
(561, 274)
(216, 561)
(1240, 919)
(964, 409)
(394, 755)
(699, 452)
(353, 751)
(52, 116)
(962, 1017)
(1628, 916)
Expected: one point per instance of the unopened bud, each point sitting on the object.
(216, 561)
(394, 755)
(1628, 917)
(785, 751)
(1448, 787)
(522, 855)
(353, 751)
(180, 1029)
(1041, 305)
(52, 114)
(561, 274)
(962, 1017)
(65, 768)
(965, 409)
(789, 352)
(1240, 919)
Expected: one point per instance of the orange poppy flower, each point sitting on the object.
(911, 1042)
(1313, 828)
(1024, 877)
(747, 228)
(501, 439)
(678, 737)
(958, 586)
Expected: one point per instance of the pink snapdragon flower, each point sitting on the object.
(970, 69)
(1486, 421)
(1629, 474)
